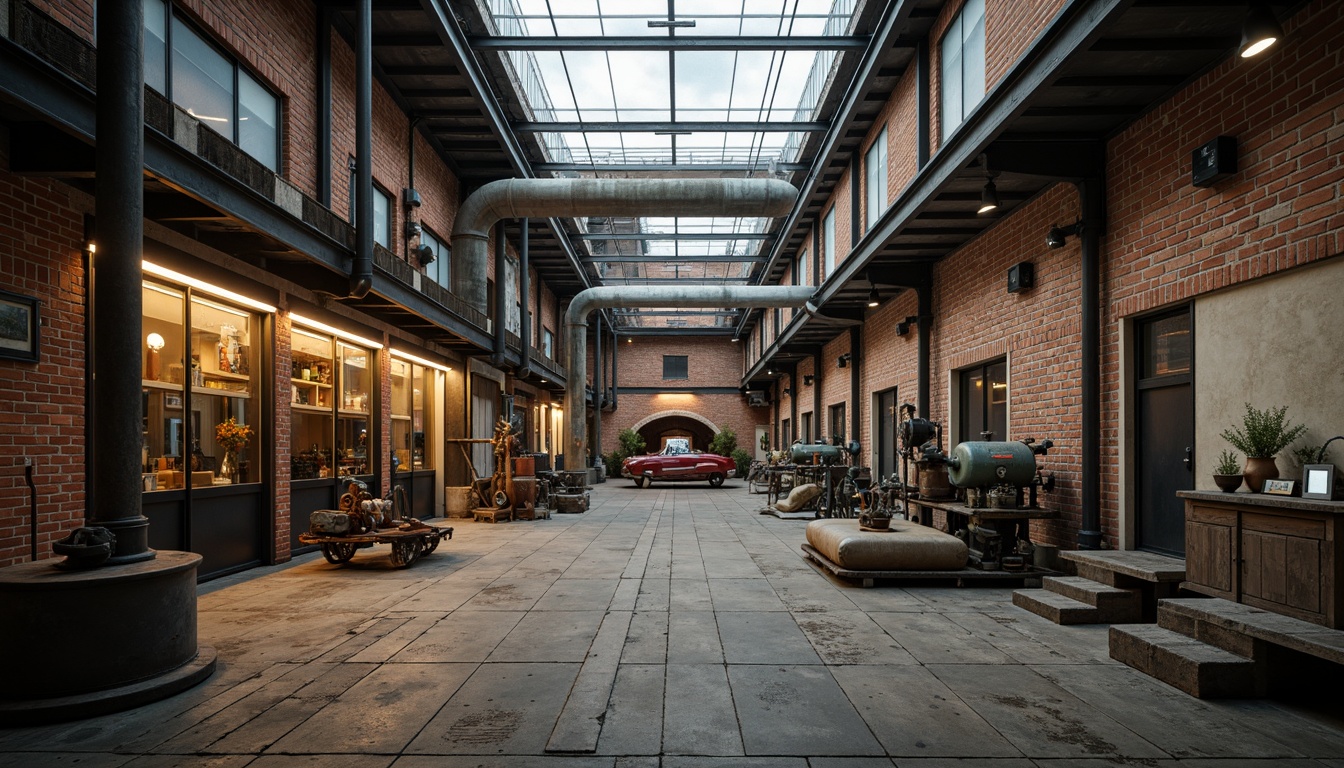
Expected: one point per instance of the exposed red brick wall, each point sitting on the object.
(834, 385)
(76, 15)
(42, 404)
(888, 360)
(729, 411)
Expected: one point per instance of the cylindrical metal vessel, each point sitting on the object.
(802, 453)
(976, 465)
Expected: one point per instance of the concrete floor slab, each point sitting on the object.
(509, 593)
(379, 714)
(647, 641)
(693, 638)
(914, 714)
(316, 761)
(777, 706)
(506, 709)
(463, 635)
(634, 722)
(744, 595)
(689, 595)
(1038, 717)
(698, 714)
(851, 637)
(577, 595)
(933, 638)
(849, 762)
(550, 636)
(763, 637)
(511, 761)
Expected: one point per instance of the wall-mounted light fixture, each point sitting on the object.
(903, 327)
(424, 254)
(808, 379)
(873, 299)
(1259, 30)
(410, 198)
(1057, 235)
(843, 360)
(787, 391)
(989, 196)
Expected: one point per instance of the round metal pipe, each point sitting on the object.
(545, 198)
(525, 291)
(676, 297)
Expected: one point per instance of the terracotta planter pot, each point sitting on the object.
(1228, 483)
(1258, 469)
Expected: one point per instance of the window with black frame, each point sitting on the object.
(194, 74)
(963, 65)
(805, 431)
(675, 367)
(983, 402)
(439, 270)
(837, 422)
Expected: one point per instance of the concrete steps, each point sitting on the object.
(1198, 668)
(1075, 600)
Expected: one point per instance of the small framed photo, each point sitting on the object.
(1318, 481)
(1280, 487)
(172, 401)
(19, 327)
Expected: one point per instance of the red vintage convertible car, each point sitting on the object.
(678, 462)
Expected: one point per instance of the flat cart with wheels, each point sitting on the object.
(407, 545)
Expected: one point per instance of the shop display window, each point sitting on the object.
(352, 422)
(411, 385)
(200, 390)
(312, 400)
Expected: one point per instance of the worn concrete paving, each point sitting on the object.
(666, 628)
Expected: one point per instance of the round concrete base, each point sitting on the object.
(85, 642)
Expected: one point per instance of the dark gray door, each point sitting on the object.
(1166, 429)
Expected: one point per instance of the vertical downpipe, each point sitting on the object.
(855, 359)
(361, 276)
(598, 366)
(524, 291)
(925, 296)
(499, 356)
(615, 349)
(816, 395)
(1093, 204)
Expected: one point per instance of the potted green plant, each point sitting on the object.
(1261, 436)
(1227, 473)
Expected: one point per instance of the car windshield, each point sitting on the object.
(677, 446)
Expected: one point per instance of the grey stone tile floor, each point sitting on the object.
(672, 627)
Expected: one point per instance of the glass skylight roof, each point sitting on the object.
(731, 90)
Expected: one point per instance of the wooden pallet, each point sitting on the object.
(961, 577)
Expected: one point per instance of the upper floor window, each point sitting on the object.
(438, 270)
(675, 367)
(548, 343)
(382, 209)
(963, 65)
(209, 85)
(828, 241)
(800, 270)
(875, 178)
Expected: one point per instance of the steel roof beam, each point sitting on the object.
(662, 43)
(680, 167)
(772, 126)
(668, 260)
(711, 236)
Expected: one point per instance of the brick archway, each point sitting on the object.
(676, 423)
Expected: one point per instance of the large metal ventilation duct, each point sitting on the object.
(546, 198)
(676, 297)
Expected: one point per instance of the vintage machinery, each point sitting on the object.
(831, 459)
(994, 476)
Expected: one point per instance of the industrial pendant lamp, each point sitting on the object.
(1259, 31)
(989, 196)
(873, 299)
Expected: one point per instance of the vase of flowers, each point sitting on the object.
(233, 438)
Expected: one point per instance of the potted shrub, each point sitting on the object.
(1261, 436)
(1227, 473)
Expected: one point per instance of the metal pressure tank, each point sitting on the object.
(980, 465)
(802, 453)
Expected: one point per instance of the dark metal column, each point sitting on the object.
(855, 407)
(1092, 192)
(114, 477)
(925, 295)
(598, 366)
(361, 272)
(922, 127)
(500, 355)
(525, 292)
(324, 105)
(817, 380)
(615, 348)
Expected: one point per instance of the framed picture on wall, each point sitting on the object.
(19, 324)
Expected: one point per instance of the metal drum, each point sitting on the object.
(979, 465)
(803, 453)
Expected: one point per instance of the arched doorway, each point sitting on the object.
(657, 428)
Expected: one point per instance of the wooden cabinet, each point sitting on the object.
(1278, 553)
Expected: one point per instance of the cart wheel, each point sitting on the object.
(431, 544)
(337, 553)
(405, 552)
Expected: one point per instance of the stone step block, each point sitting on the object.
(1205, 630)
(1055, 607)
(1117, 606)
(1199, 669)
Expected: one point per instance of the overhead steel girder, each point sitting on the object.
(668, 260)
(664, 43)
(713, 126)
(710, 236)
(669, 167)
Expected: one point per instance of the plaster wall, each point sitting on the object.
(1286, 353)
